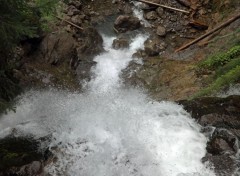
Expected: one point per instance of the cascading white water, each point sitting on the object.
(111, 130)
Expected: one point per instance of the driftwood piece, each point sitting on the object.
(209, 33)
(164, 6)
(69, 22)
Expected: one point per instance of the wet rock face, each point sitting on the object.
(126, 23)
(56, 48)
(120, 43)
(223, 116)
(91, 44)
(20, 156)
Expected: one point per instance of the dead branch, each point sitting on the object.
(209, 33)
(69, 22)
(164, 6)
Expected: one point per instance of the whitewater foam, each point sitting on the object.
(110, 130)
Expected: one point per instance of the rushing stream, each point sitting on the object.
(111, 129)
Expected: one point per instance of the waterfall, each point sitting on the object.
(109, 129)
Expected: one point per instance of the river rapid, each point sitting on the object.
(110, 129)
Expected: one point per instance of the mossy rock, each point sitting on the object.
(18, 151)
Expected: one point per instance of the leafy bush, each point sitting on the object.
(219, 59)
(226, 67)
(21, 18)
(225, 80)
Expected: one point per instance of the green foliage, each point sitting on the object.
(19, 19)
(226, 67)
(225, 80)
(46, 9)
(219, 59)
(22, 18)
(229, 66)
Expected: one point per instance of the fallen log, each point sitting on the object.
(208, 33)
(69, 22)
(164, 6)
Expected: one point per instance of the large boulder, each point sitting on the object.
(126, 23)
(57, 48)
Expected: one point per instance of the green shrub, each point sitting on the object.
(229, 66)
(219, 59)
(225, 80)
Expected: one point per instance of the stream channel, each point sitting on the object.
(111, 129)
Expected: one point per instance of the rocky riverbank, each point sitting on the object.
(219, 118)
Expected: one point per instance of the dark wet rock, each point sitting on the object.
(223, 115)
(223, 164)
(90, 45)
(120, 43)
(161, 31)
(20, 156)
(220, 120)
(153, 46)
(209, 105)
(126, 23)
(57, 48)
(218, 146)
(151, 15)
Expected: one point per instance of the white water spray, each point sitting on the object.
(110, 130)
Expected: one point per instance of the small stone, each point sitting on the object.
(161, 31)
(160, 11)
(151, 15)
